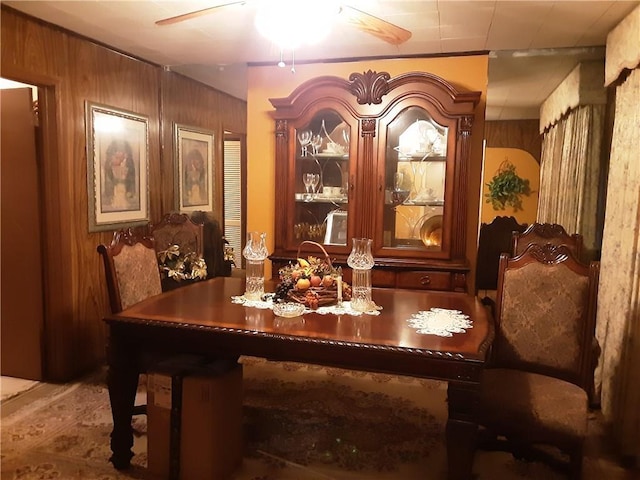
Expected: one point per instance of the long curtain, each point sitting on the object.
(570, 172)
(618, 327)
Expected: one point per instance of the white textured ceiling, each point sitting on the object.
(533, 44)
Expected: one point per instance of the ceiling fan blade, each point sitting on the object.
(382, 29)
(197, 13)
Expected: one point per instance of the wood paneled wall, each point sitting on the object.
(521, 134)
(69, 71)
(186, 102)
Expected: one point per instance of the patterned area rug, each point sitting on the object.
(301, 422)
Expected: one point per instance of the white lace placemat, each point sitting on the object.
(440, 321)
(345, 309)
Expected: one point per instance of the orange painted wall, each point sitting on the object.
(264, 82)
(527, 168)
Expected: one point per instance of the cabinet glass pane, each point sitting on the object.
(321, 176)
(415, 172)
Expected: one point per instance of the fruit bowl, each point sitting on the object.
(288, 309)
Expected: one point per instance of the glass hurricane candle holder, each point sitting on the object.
(361, 262)
(255, 252)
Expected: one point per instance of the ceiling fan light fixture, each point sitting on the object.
(292, 23)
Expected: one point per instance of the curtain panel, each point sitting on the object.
(569, 174)
(618, 319)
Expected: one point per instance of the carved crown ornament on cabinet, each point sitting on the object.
(377, 157)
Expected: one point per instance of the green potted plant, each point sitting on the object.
(506, 188)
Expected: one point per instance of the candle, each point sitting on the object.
(339, 280)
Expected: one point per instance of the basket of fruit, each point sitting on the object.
(312, 281)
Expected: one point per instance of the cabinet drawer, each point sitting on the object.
(426, 280)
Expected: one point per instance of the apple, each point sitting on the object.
(315, 280)
(303, 284)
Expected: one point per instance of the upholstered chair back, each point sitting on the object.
(542, 233)
(177, 229)
(545, 314)
(131, 269)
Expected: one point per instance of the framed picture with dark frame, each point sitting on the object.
(194, 169)
(336, 233)
(117, 167)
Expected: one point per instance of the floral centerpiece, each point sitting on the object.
(181, 266)
(312, 281)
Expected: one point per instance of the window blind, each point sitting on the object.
(233, 197)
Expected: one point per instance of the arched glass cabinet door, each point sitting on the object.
(322, 148)
(415, 178)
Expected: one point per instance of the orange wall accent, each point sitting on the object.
(527, 167)
(265, 82)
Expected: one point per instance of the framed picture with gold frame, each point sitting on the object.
(117, 167)
(194, 168)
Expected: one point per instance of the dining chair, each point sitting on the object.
(177, 229)
(546, 233)
(535, 390)
(132, 274)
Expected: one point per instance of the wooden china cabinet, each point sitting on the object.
(381, 158)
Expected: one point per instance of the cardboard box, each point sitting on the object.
(194, 421)
(211, 446)
(164, 400)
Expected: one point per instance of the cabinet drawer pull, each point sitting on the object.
(425, 280)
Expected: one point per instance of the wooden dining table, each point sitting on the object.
(202, 319)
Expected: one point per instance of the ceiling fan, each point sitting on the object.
(363, 21)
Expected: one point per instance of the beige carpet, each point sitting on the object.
(301, 423)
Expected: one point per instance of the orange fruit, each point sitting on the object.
(303, 284)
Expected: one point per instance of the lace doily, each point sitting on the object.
(440, 321)
(345, 309)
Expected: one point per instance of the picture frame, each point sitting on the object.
(117, 167)
(194, 168)
(336, 233)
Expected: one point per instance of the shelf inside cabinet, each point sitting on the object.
(426, 203)
(302, 198)
(420, 158)
(324, 156)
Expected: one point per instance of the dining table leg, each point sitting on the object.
(462, 429)
(122, 382)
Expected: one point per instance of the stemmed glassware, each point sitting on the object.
(316, 143)
(399, 194)
(315, 180)
(307, 179)
(304, 137)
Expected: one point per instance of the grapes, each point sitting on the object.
(282, 290)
